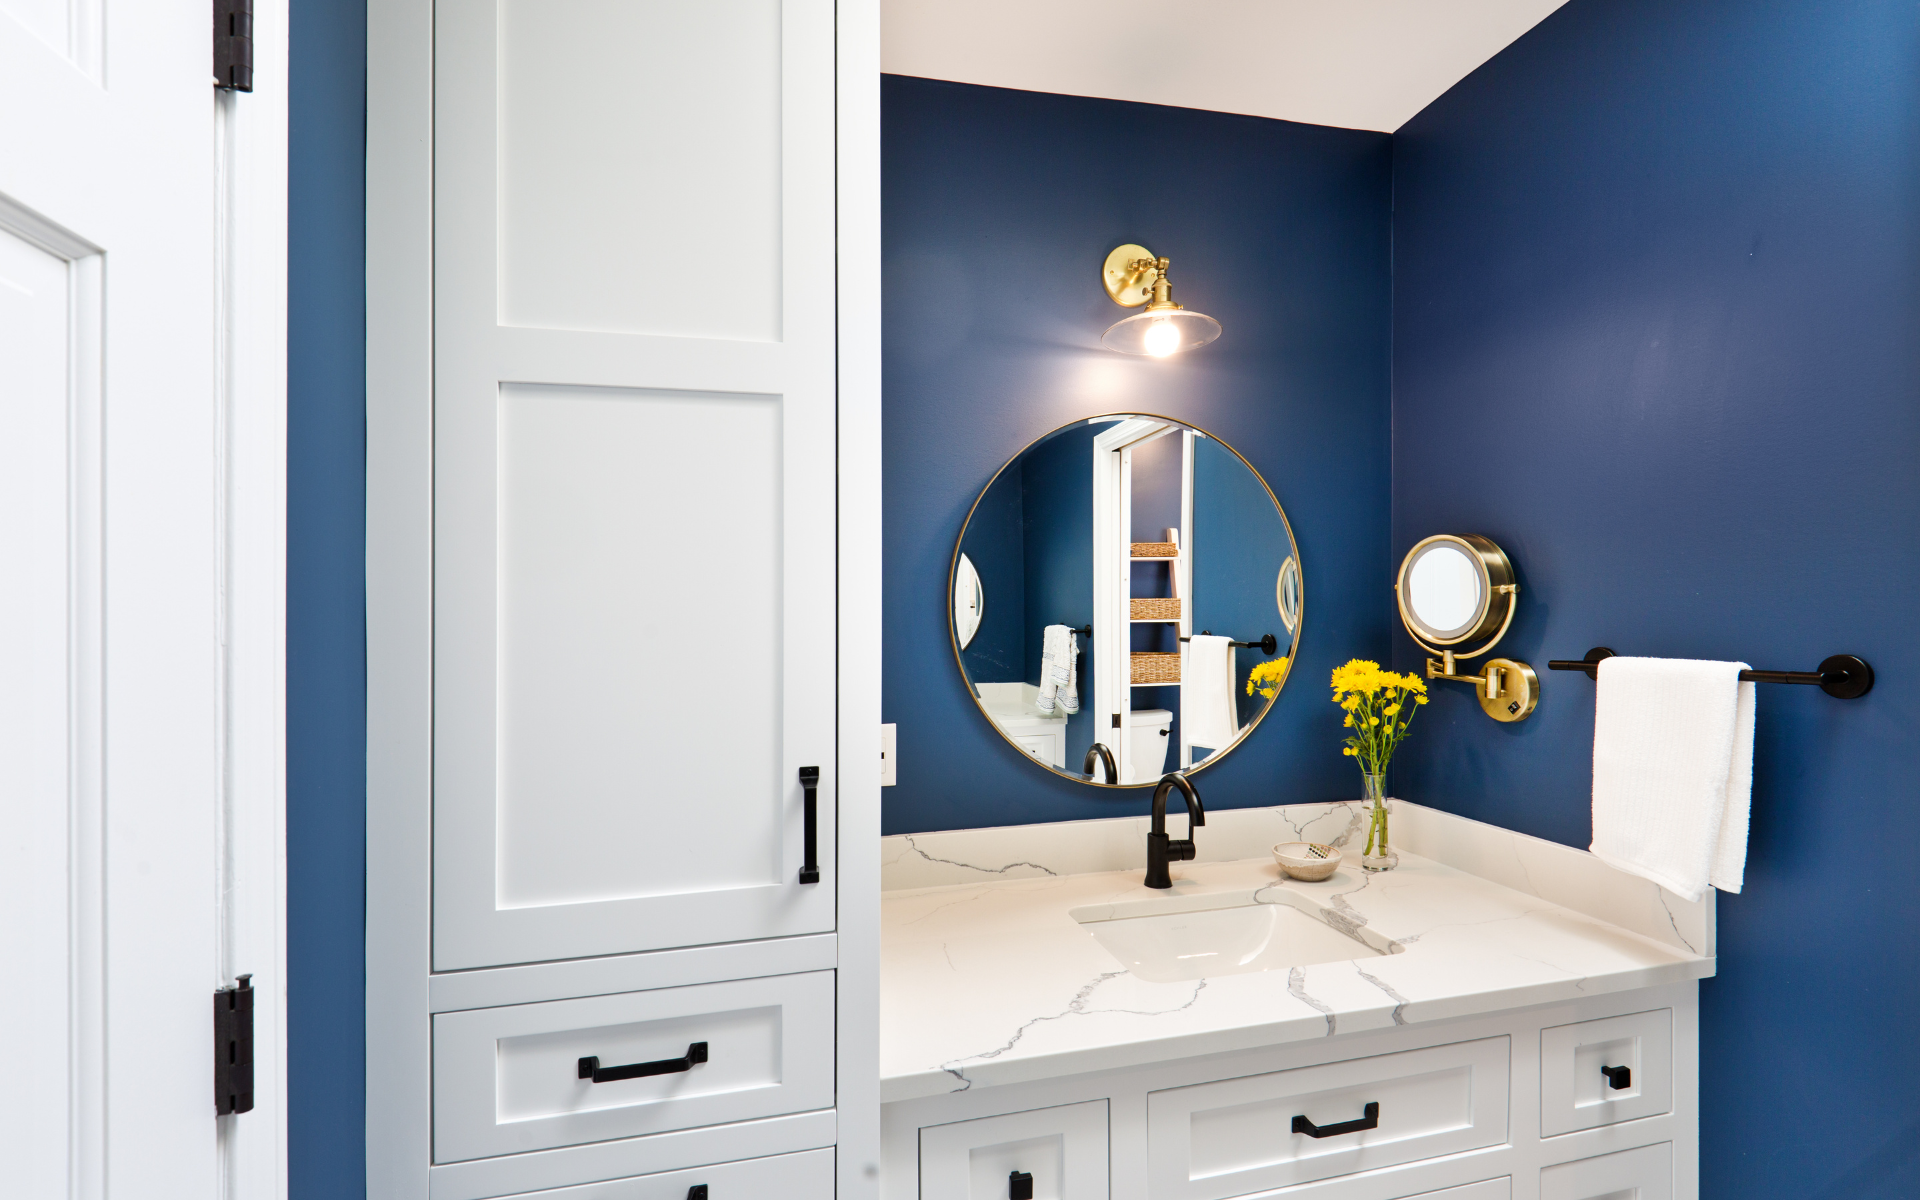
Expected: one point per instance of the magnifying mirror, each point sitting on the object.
(969, 602)
(1459, 588)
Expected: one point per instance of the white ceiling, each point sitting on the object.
(1360, 64)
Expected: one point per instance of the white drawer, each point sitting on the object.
(1064, 1149)
(1575, 1093)
(1214, 1140)
(806, 1176)
(1643, 1174)
(508, 1079)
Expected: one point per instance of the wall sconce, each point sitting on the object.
(1456, 588)
(1133, 277)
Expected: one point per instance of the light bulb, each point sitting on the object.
(1162, 338)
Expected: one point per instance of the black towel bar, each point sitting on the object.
(1842, 676)
(1266, 645)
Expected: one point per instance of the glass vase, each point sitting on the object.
(1376, 854)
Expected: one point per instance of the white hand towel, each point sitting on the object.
(1209, 712)
(1059, 671)
(1673, 771)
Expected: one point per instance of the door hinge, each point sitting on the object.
(233, 45)
(233, 1048)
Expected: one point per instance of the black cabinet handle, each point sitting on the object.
(697, 1192)
(590, 1067)
(1370, 1121)
(1019, 1186)
(810, 845)
(1618, 1077)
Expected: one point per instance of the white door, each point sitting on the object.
(109, 733)
(633, 474)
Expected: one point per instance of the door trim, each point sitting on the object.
(251, 390)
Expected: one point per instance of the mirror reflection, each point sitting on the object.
(1147, 599)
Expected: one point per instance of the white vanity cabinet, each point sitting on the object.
(1492, 1107)
(622, 366)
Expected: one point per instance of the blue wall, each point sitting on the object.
(326, 601)
(1657, 287)
(999, 207)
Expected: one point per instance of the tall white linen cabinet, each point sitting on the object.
(623, 599)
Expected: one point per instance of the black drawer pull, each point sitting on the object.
(810, 848)
(1370, 1121)
(697, 1192)
(590, 1067)
(1618, 1077)
(1019, 1185)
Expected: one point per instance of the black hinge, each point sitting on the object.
(233, 1048)
(233, 45)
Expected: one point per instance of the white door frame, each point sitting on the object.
(251, 382)
(1113, 580)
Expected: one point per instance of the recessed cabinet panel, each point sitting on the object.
(1643, 1174)
(1063, 1149)
(616, 213)
(512, 1079)
(1486, 1189)
(624, 720)
(807, 1176)
(1215, 1140)
(1595, 1073)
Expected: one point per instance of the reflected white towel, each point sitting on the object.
(1059, 671)
(1209, 709)
(1673, 771)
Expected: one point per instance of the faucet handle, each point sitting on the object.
(1180, 850)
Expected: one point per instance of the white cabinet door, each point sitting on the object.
(1643, 1174)
(633, 474)
(1062, 1151)
(1596, 1073)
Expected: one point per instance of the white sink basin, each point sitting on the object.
(1164, 947)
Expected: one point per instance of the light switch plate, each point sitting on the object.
(886, 755)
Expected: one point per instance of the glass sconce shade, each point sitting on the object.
(1160, 333)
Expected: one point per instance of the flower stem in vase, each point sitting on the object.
(1377, 855)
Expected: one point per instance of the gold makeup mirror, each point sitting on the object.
(1458, 588)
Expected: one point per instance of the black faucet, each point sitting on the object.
(1099, 751)
(1162, 849)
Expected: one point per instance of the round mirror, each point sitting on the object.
(1454, 588)
(1147, 599)
(968, 601)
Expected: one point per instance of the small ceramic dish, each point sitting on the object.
(1310, 861)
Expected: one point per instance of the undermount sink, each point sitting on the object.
(1165, 947)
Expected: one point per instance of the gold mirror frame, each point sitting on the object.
(1292, 647)
(1508, 690)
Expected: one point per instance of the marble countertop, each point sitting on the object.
(991, 981)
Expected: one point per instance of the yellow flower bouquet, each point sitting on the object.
(1379, 707)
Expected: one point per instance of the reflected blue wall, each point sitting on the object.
(1057, 482)
(998, 209)
(1657, 294)
(1236, 561)
(996, 545)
